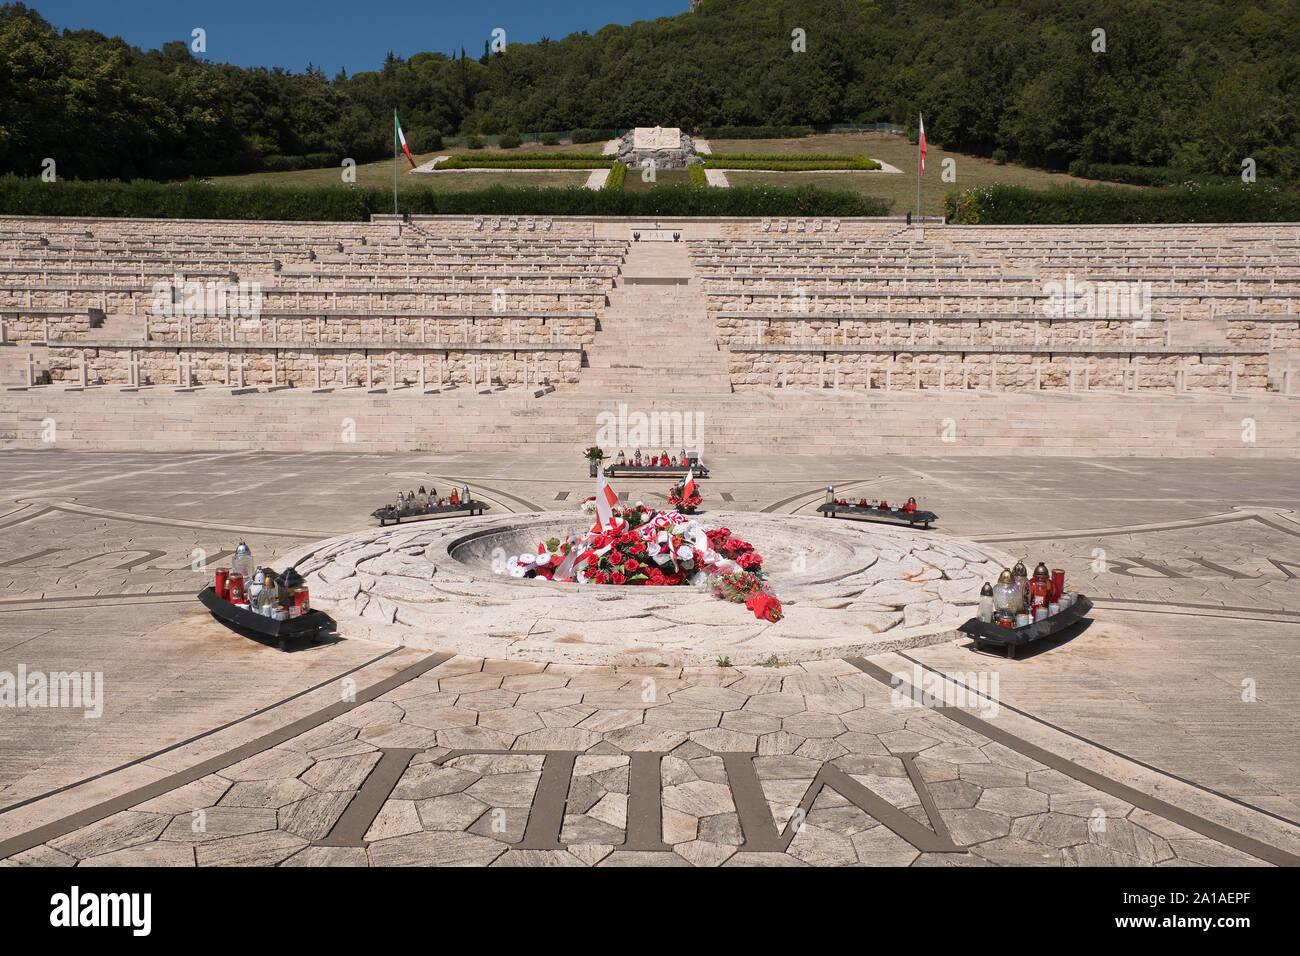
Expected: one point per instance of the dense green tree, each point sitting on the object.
(1196, 85)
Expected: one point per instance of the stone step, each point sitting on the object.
(158, 418)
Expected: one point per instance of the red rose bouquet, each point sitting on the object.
(655, 549)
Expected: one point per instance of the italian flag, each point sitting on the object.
(400, 139)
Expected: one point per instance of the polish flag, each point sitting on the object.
(688, 487)
(565, 570)
(922, 142)
(606, 502)
(401, 139)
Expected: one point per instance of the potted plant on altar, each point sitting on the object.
(685, 500)
(594, 457)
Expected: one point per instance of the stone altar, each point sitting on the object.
(667, 146)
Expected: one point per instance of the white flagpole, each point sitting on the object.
(920, 132)
(395, 163)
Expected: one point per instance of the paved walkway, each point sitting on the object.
(1164, 733)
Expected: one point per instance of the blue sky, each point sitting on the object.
(332, 34)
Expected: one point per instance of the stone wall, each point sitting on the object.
(22, 327)
(1001, 371)
(735, 330)
(378, 331)
(298, 367)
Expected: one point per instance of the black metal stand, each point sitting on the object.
(984, 632)
(432, 511)
(308, 625)
(655, 471)
(890, 516)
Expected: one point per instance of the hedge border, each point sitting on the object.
(1100, 205)
(197, 200)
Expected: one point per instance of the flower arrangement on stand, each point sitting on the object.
(685, 496)
(639, 546)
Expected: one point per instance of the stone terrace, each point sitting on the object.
(495, 332)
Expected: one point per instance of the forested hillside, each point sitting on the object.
(1191, 84)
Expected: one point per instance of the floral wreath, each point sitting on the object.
(690, 503)
(639, 546)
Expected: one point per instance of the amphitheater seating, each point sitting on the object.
(130, 303)
(519, 301)
(972, 307)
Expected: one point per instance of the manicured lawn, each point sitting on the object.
(891, 149)
(380, 175)
(663, 177)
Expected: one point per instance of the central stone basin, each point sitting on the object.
(791, 556)
(847, 588)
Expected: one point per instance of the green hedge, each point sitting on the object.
(793, 163)
(1134, 175)
(696, 172)
(785, 157)
(195, 200)
(526, 161)
(778, 162)
(755, 132)
(1159, 175)
(189, 200)
(617, 173)
(1016, 205)
(585, 135)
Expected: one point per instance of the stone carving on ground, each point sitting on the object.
(846, 589)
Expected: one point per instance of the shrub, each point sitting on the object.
(276, 163)
(793, 163)
(550, 139)
(321, 160)
(755, 132)
(195, 200)
(617, 173)
(510, 141)
(527, 161)
(696, 172)
(1017, 205)
(1000, 157)
(425, 139)
(1133, 175)
(585, 135)
(473, 142)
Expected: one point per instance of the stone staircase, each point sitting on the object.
(560, 424)
(651, 341)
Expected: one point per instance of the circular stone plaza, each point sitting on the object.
(1118, 402)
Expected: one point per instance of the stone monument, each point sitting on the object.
(667, 146)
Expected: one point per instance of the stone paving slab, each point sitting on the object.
(1000, 806)
(1159, 682)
